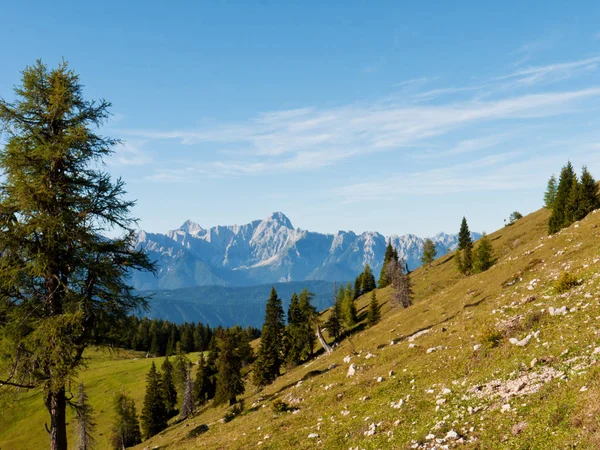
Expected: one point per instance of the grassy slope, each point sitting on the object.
(458, 310)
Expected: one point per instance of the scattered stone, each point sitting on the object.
(351, 370)
(347, 359)
(398, 404)
(505, 408)
(379, 379)
(520, 343)
(583, 389)
(371, 430)
(313, 436)
(518, 428)
(558, 312)
(369, 355)
(476, 347)
(452, 435)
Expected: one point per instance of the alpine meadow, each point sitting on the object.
(459, 140)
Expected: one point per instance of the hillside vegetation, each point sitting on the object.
(500, 359)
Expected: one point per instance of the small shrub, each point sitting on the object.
(565, 282)
(532, 319)
(234, 411)
(279, 406)
(490, 336)
(195, 432)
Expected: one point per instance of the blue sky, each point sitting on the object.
(398, 117)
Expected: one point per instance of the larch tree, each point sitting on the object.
(483, 256)
(61, 280)
(400, 280)
(154, 412)
(84, 421)
(348, 307)
(429, 252)
(550, 194)
(126, 427)
(270, 351)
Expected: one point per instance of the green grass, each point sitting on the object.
(513, 298)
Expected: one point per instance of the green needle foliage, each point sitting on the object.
(126, 428)
(483, 256)
(390, 255)
(270, 351)
(374, 313)
(169, 391)
(154, 412)
(464, 255)
(229, 371)
(61, 282)
(429, 252)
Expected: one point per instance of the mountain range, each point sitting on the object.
(270, 250)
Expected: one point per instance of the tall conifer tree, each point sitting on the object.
(390, 254)
(559, 218)
(270, 351)
(154, 412)
(126, 427)
(61, 281)
(229, 366)
(168, 387)
(374, 313)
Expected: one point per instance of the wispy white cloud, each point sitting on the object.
(552, 72)
(310, 138)
(130, 153)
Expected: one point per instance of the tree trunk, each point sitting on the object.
(57, 405)
(322, 340)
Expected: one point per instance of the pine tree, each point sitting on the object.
(368, 280)
(374, 310)
(464, 257)
(187, 405)
(270, 351)
(229, 366)
(202, 383)
(348, 307)
(558, 218)
(61, 281)
(358, 286)
(390, 254)
(309, 316)
(84, 420)
(589, 198)
(154, 412)
(483, 256)
(168, 387)
(429, 252)
(333, 324)
(294, 335)
(180, 368)
(550, 194)
(126, 428)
